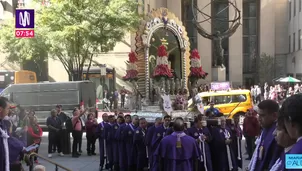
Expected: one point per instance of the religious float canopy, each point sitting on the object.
(155, 23)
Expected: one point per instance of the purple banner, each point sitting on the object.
(218, 86)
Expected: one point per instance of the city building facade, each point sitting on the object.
(294, 57)
(266, 28)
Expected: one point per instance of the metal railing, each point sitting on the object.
(57, 166)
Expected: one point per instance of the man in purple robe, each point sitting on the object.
(16, 148)
(202, 135)
(120, 137)
(177, 152)
(102, 134)
(158, 135)
(267, 150)
(128, 137)
(149, 136)
(222, 154)
(4, 149)
(236, 134)
(141, 149)
(291, 112)
(109, 142)
(119, 121)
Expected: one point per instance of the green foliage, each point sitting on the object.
(266, 68)
(73, 31)
(22, 49)
(79, 29)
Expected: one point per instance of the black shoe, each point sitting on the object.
(94, 154)
(75, 156)
(89, 154)
(249, 158)
(79, 154)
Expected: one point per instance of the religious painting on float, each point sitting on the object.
(165, 37)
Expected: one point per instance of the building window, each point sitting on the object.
(187, 19)
(250, 36)
(299, 39)
(290, 10)
(294, 42)
(289, 44)
(295, 7)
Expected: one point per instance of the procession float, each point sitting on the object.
(162, 69)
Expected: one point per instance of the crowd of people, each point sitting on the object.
(14, 139)
(129, 143)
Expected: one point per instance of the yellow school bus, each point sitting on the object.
(16, 77)
(226, 101)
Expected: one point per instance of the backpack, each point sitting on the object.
(68, 124)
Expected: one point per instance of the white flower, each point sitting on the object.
(132, 66)
(162, 61)
(195, 63)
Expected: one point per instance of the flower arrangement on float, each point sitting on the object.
(162, 64)
(180, 102)
(196, 68)
(131, 72)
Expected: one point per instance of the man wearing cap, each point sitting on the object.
(214, 110)
(65, 135)
(178, 151)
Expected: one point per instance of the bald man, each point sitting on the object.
(178, 151)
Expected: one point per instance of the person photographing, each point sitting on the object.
(77, 130)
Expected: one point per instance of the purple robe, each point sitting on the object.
(15, 148)
(219, 150)
(195, 133)
(2, 155)
(236, 133)
(297, 149)
(102, 132)
(112, 137)
(271, 150)
(148, 141)
(171, 158)
(158, 135)
(128, 137)
(119, 136)
(110, 145)
(141, 149)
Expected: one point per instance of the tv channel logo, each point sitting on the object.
(293, 161)
(25, 18)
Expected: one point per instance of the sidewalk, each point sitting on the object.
(83, 163)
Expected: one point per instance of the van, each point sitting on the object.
(229, 102)
(42, 97)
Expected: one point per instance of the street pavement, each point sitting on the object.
(84, 162)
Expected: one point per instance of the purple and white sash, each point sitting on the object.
(179, 135)
(203, 157)
(252, 164)
(147, 152)
(228, 136)
(5, 137)
(105, 147)
(277, 165)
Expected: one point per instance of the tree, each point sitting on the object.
(266, 68)
(21, 50)
(78, 30)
